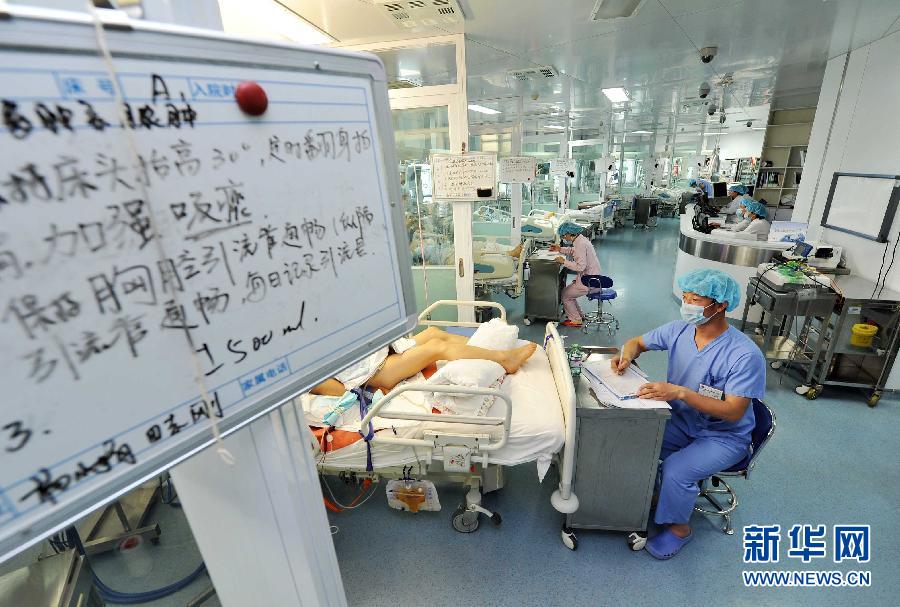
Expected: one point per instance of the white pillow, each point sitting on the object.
(495, 335)
(474, 373)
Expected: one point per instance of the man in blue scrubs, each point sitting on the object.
(703, 184)
(714, 372)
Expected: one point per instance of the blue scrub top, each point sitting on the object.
(731, 363)
(707, 187)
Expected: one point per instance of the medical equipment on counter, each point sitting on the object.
(471, 449)
(816, 254)
(791, 274)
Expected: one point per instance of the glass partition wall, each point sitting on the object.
(428, 110)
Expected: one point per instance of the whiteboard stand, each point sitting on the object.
(462, 179)
(465, 264)
(515, 171)
(260, 524)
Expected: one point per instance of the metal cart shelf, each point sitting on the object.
(782, 341)
(844, 364)
(546, 280)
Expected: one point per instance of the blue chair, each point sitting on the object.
(602, 290)
(762, 432)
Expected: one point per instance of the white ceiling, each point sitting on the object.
(775, 49)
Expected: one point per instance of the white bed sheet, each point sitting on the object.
(537, 430)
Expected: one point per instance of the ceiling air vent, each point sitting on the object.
(610, 10)
(410, 14)
(534, 73)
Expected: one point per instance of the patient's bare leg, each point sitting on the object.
(329, 387)
(431, 333)
(398, 367)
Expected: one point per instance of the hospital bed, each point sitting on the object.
(495, 271)
(540, 225)
(532, 419)
(669, 201)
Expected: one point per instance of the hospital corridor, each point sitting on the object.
(449, 302)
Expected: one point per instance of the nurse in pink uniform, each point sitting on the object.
(582, 259)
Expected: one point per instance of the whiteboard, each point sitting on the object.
(560, 166)
(464, 176)
(861, 204)
(517, 169)
(215, 270)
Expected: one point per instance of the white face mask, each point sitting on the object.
(693, 314)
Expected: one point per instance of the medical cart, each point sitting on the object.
(616, 457)
(846, 364)
(543, 289)
(788, 332)
(646, 212)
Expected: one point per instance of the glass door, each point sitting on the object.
(420, 132)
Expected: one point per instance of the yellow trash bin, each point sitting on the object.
(861, 335)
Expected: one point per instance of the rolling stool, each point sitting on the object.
(762, 432)
(603, 292)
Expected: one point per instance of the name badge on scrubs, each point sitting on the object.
(711, 392)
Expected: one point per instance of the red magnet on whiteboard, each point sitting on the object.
(251, 98)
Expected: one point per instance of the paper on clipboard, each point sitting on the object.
(605, 397)
(624, 386)
(595, 365)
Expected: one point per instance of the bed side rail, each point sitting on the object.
(424, 319)
(563, 499)
(378, 410)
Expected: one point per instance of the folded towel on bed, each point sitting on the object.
(466, 374)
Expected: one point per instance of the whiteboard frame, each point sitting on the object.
(889, 212)
(37, 30)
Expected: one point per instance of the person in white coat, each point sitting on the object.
(759, 225)
(736, 192)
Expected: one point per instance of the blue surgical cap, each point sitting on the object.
(714, 284)
(757, 208)
(569, 227)
(738, 188)
(692, 182)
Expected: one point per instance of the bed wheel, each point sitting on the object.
(568, 538)
(496, 519)
(637, 541)
(464, 520)
(526, 321)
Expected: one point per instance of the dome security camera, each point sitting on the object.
(711, 110)
(708, 53)
(749, 123)
(704, 90)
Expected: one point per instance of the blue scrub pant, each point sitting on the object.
(688, 459)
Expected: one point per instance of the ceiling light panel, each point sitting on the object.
(482, 109)
(609, 10)
(616, 95)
